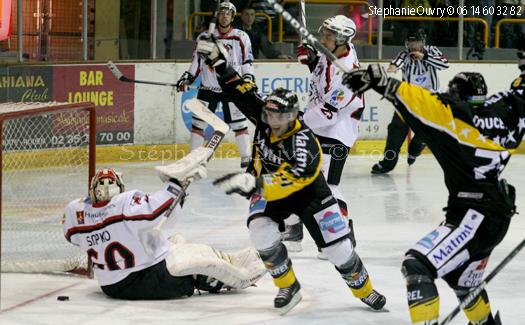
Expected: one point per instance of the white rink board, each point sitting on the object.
(158, 112)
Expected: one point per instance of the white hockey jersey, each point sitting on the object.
(239, 47)
(334, 111)
(114, 234)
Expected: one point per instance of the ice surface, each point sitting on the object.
(391, 213)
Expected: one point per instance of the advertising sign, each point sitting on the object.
(113, 99)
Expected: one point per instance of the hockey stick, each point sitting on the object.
(306, 34)
(474, 293)
(302, 12)
(220, 131)
(120, 76)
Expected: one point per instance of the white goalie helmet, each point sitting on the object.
(105, 184)
(343, 27)
(228, 6)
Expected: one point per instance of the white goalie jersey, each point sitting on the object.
(334, 111)
(111, 232)
(240, 53)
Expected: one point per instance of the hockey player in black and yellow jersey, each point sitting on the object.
(286, 178)
(472, 139)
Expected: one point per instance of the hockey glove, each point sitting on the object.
(306, 54)
(185, 80)
(248, 77)
(362, 80)
(214, 52)
(192, 166)
(244, 184)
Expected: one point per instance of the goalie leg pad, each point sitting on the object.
(191, 259)
(422, 294)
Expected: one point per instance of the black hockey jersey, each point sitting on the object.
(284, 164)
(472, 144)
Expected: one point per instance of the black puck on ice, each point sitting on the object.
(63, 298)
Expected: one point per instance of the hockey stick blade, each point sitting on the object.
(197, 108)
(474, 293)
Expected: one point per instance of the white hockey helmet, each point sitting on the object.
(228, 6)
(343, 27)
(105, 184)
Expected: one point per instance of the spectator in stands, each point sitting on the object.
(509, 32)
(260, 42)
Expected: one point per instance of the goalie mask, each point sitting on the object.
(105, 184)
(469, 86)
(344, 29)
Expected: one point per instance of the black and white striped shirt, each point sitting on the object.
(422, 72)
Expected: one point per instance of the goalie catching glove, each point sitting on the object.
(244, 184)
(192, 166)
(213, 51)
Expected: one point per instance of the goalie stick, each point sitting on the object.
(474, 293)
(220, 131)
(120, 76)
(307, 36)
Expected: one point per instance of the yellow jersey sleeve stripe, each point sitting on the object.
(427, 108)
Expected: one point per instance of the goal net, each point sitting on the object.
(47, 159)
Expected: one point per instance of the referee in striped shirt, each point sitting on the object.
(419, 64)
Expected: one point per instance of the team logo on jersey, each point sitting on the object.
(257, 204)
(136, 199)
(420, 80)
(428, 240)
(80, 217)
(332, 222)
(473, 274)
(337, 97)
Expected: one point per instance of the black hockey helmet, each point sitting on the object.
(279, 107)
(469, 86)
(281, 101)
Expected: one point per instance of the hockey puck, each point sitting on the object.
(63, 298)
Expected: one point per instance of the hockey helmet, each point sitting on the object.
(343, 27)
(228, 6)
(105, 184)
(415, 36)
(280, 104)
(469, 86)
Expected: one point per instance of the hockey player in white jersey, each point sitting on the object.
(239, 49)
(130, 260)
(333, 111)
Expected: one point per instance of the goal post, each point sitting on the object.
(47, 159)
